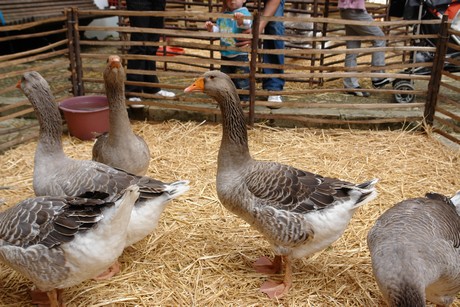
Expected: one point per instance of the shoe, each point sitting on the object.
(277, 100)
(359, 94)
(380, 82)
(166, 93)
(135, 99)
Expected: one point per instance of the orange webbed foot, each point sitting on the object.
(273, 289)
(265, 265)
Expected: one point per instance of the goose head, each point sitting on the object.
(38, 91)
(220, 87)
(114, 77)
(216, 85)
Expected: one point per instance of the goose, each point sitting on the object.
(120, 147)
(58, 242)
(415, 251)
(298, 212)
(57, 174)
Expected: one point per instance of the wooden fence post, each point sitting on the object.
(78, 62)
(253, 66)
(71, 47)
(436, 73)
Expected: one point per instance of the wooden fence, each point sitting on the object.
(313, 95)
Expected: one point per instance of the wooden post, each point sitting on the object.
(253, 66)
(78, 62)
(71, 47)
(212, 40)
(324, 34)
(436, 72)
(314, 43)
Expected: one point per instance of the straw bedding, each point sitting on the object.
(201, 255)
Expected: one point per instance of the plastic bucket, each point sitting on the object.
(86, 116)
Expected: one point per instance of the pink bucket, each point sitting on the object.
(86, 116)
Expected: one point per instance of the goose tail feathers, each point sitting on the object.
(178, 188)
(456, 200)
(368, 192)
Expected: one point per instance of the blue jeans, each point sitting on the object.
(240, 83)
(274, 28)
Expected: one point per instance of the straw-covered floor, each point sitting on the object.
(201, 255)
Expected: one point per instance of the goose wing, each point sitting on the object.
(51, 221)
(79, 176)
(288, 188)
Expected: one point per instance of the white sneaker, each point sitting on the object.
(276, 100)
(166, 93)
(135, 99)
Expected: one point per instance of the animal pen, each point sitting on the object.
(200, 254)
(314, 65)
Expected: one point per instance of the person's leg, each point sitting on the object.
(378, 57)
(231, 69)
(242, 83)
(350, 58)
(274, 28)
(143, 22)
(154, 23)
(226, 69)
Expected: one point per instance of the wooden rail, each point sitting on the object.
(313, 75)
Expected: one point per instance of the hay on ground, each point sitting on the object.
(201, 255)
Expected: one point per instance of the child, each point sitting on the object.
(236, 25)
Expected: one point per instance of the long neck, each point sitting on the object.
(50, 120)
(118, 116)
(234, 145)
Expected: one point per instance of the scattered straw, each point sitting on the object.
(201, 255)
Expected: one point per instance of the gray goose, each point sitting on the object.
(58, 242)
(120, 147)
(415, 251)
(58, 175)
(298, 212)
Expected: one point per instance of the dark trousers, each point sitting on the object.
(144, 22)
(240, 83)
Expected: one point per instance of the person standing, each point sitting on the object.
(356, 10)
(148, 65)
(273, 8)
(236, 25)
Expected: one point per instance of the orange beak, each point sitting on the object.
(197, 86)
(18, 85)
(115, 64)
(114, 61)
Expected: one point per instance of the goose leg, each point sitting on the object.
(110, 272)
(60, 297)
(39, 298)
(53, 298)
(265, 265)
(276, 289)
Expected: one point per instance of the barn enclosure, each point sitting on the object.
(200, 254)
(315, 50)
